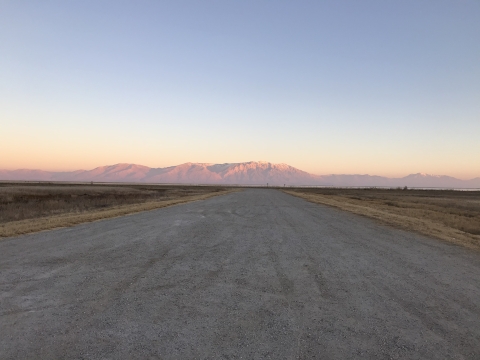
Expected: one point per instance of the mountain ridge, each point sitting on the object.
(246, 173)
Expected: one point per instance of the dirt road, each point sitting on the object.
(257, 274)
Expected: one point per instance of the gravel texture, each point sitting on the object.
(257, 274)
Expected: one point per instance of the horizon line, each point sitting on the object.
(238, 163)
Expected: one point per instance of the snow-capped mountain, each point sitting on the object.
(247, 173)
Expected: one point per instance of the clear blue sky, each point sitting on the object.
(379, 87)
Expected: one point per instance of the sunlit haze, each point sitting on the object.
(372, 87)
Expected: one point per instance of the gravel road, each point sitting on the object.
(257, 274)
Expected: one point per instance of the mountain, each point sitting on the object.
(247, 173)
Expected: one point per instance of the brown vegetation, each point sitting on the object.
(453, 216)
(31, 207)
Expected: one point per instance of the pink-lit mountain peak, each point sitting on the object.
(117, 172)
(246, 173)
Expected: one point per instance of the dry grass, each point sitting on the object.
(453, 216)
(27, 208)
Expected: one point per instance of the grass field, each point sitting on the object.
(453, 216)
(31, 207)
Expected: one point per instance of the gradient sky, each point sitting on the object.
(380, 87)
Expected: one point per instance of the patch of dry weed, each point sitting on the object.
(32, 208)
(453, 216)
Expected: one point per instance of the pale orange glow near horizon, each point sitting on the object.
(51, 158)
(51, 144)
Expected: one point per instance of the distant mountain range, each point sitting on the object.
(248, 173)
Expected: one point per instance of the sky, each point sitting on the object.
(346, 87)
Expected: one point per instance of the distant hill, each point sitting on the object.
(247, 173)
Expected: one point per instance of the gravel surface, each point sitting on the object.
(257, 274)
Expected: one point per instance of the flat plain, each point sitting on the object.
(257, 274)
